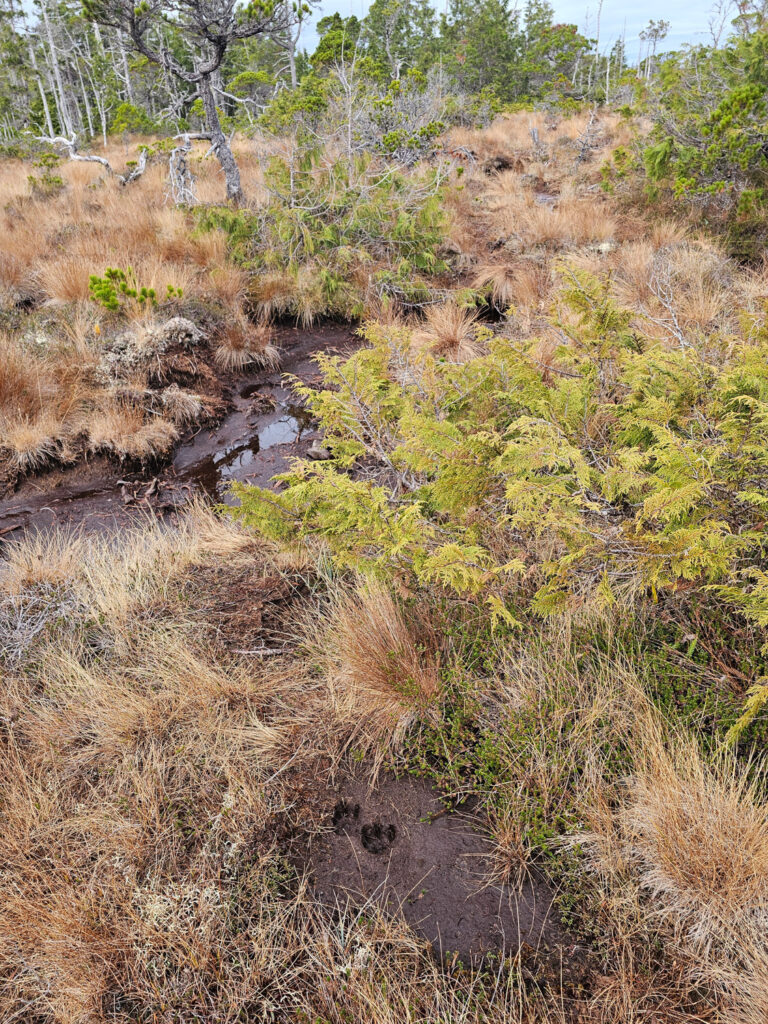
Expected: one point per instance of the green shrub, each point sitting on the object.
(709, 144)
(132, 119)
(119, 285)
(621, 471)
(47, 183)
(332, 231)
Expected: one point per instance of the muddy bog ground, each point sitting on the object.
(398, 846)
(263, 429)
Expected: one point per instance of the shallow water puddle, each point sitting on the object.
(243, 458)
(257, 438)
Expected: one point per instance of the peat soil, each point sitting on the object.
(262, 431)
(398, 846)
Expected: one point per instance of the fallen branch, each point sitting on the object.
(71, 146)
(72, 151)
(263, 651)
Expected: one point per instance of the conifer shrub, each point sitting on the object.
(47, 182)
(709, 144)
(118, 286)
(615, 470)
(337, 233)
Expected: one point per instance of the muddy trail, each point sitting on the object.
(263, 429)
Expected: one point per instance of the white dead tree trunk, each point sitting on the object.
(126, 69)
(60, 96)
(40, 86)
(180, 179)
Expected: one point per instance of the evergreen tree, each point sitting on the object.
(15, 91)
(338, 40)
(401, 34)
(482, 45)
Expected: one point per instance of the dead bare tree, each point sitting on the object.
(208, 27)
(180, 178)
(287, 38)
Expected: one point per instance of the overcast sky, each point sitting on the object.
(689, 21)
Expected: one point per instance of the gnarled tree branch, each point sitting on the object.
(72, 152)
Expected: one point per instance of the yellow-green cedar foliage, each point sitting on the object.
(616, 468)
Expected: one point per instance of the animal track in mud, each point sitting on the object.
(397, 844)
(377, 838)
(374, 837)
(342, 813)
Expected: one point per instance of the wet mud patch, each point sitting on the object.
(398, 846)
(260, 434)
(265, 427)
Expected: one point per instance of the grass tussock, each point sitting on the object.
(65, 394)
(242, 343)
(697, 834)
(183, 407)
(125, 432)
(448, 331)
(382, 666)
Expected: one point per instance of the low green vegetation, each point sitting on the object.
(615, 470)
(333, 233)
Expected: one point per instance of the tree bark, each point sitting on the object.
(41, 87)
(60, 96)
(292, 65)
(219, 143)
(86, 101)
(126, 72)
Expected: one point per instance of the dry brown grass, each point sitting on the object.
(228, 284)
(673, 854)
(680, 854)
(567, 223)
(697, 835)
(381, 663)
(183, 407)
(125, 431)
(508, 229)
(242, 343)
(522, 285)
(682, 287)
(65, 279)
(30, 445)
(273, 294)
(44, 392)
(144, 790)
(152, 768)
(448, 331)
(54, 399)
(52, 244)
(56, 404)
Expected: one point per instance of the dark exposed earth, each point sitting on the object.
(262, 430)
(397, 845)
